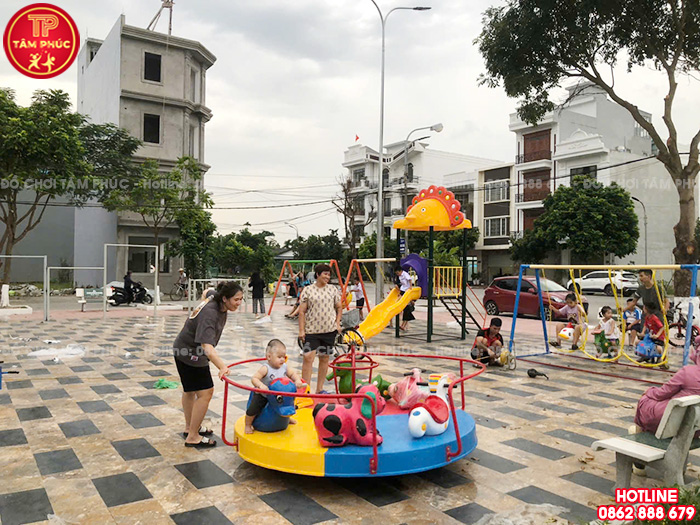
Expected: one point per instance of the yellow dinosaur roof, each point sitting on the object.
(436, 207)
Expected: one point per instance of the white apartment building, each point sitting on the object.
(408, 168)
(592, 135)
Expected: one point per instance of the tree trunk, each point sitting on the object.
(684, 231)
(7, 267)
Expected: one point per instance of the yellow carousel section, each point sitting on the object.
(295, 449)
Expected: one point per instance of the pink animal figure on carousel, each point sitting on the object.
(408, 392)
(338, 425)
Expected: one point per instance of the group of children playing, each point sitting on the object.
(638, 322)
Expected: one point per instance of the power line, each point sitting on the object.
(97, 205)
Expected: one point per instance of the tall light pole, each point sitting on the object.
(646, 250)
(380, 192)
(435, 127)
(295, 228)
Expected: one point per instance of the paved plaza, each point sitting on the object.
(89, 440)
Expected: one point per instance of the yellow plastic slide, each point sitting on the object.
(379, 317)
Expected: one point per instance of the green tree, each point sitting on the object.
(246, 252)
(531, 46)
(318, 247)
(195, 242)
(158, 196)
(589, 218)
(368, 248)
(49, 153)
(531, 248)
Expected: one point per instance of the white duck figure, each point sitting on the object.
(432, 416)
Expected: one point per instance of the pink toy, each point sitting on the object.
(338, 425)
(407, 392)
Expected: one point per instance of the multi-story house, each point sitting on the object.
(153, 85)
(408, 167)
(591, 135)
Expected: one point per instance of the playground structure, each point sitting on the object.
(287, 265)
(663, 359)
(296, 449)
(438, 211)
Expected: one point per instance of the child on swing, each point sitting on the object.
(607, 333)
(656, 330)
(575, 314)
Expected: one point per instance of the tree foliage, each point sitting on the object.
(245, 252)
(196, 241)
(587, 217)
(159, 196)
(47, 153)
(532, 46)
(318, 247)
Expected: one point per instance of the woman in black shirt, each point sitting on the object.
(193, 349)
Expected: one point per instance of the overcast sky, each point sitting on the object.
(295, 81)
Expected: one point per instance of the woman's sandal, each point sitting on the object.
(205, 432)
(205, 443)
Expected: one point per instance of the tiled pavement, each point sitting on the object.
(89, 440)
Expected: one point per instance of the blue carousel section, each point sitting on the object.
(400, 453)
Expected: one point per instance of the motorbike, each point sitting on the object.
(140, 294)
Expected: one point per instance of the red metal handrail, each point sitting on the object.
(375, 455)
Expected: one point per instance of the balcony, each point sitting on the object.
(399, 182)
(535, 160)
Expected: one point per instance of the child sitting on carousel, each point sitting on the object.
(276, 367)
(607, 334)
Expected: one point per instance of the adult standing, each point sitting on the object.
(258, 285)
(647, 293)
(320, 311)
(194, 348)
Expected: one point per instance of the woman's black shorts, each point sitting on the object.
(194, 378)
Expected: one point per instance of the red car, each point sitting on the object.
(499, 297)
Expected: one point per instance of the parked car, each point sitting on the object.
(499, 297)
(600, 282)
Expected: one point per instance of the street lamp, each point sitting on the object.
(644, 209)
(435, 127)
(380, 192)
(295, 228)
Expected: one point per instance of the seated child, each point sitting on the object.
(655, 328)
(607, 333)
(276, 367)
(575, 315)
(633, 320)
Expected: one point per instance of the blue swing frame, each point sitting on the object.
(537, 267)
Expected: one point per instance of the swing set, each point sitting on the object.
(287, 266)
(546, 313)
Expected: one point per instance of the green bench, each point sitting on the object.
(84, 298)
(667, 450)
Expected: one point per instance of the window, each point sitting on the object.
(496, 191)
(387, 206)
(385, 177)
(358, 205)
(506, 284)
(409, 172)
(496, 227)
(589, 171)
(193, 85)
(151, 128)
(141, 259)
(358, 176)
(151, 67)
(191, 148)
